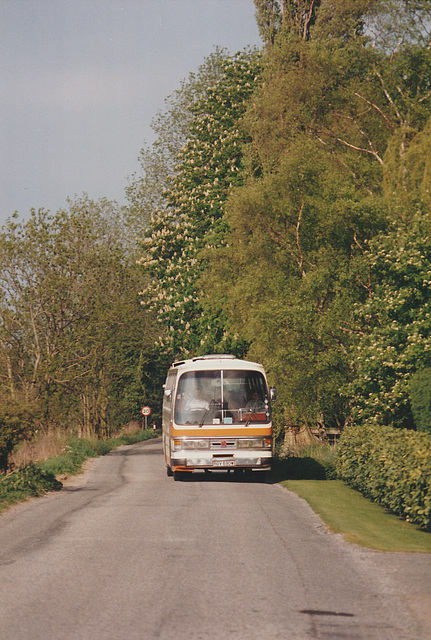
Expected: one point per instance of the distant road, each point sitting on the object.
(124, 552)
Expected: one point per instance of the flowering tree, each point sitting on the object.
(147, 189)
(396, 339)
(209, 165)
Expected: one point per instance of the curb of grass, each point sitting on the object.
(346, 511)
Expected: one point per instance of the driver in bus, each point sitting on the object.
(196, 401)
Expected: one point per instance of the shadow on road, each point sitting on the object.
(282, 469)
(298, 469)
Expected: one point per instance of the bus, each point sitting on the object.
(217, 416)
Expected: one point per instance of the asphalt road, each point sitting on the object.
(124, 552)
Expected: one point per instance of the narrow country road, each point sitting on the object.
(124, 552)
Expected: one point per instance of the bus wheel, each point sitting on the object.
(169, 472)
(178, 475)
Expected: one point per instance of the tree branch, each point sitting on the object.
(374, 106)
(388, 96)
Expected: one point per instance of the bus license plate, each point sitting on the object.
(223, 463)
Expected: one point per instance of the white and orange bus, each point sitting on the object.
(217, 415)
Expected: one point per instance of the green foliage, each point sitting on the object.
(390, 466)
(407, 172)
(420, 399)
(72, 332)
(25, 483)
(16, 423)
(394, 324)
(301, 19)
(326, 130)
(296, 226)
(209, 165)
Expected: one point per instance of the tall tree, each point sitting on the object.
(209, 165)
(277, 16)
(147, 189)
(321, 127)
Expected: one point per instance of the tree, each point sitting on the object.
(70, 315)
(146, 191)
(209, 165)
(394, 324)
(16, 423)
(420, 399)
(276, 16)
(407, 174)
(322, 126)
(288, 278)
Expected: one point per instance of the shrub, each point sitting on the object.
(420, 399)
(27, 482)
(390, 466)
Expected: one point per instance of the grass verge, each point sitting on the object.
(346, 511)
(37, 479)
(360, 521)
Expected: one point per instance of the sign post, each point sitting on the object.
(146, 411)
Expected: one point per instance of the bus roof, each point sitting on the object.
(216, 361)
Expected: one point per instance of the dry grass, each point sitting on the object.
(51, 445)
(44, 446)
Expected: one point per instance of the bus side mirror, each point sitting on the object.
(168, 394)
(272, 394)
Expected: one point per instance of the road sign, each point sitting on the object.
(145, 411)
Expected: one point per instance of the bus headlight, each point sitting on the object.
(181, 444)
(255, 443)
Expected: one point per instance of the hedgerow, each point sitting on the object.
(390, 466)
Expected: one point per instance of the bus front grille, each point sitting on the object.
(222, 445)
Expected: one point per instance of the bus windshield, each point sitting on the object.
(221, 397)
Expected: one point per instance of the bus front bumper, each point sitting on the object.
(258, 460)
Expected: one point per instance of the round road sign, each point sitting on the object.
(145, 411)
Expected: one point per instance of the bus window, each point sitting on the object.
(221, 397)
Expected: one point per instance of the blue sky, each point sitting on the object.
(81, 80)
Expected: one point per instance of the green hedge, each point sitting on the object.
(390, 466)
